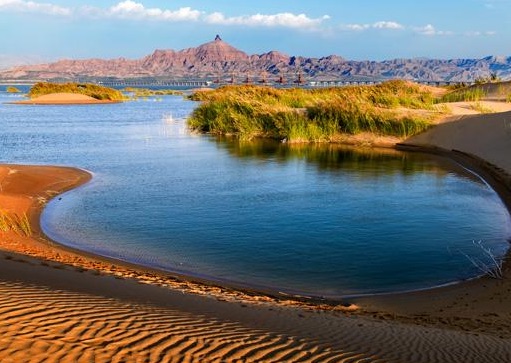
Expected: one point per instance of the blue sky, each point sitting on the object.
(362, 29)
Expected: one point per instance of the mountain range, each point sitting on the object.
(220, 62)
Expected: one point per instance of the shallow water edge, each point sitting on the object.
(494, 176)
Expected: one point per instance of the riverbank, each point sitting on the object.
(61, 304)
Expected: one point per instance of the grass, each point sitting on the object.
(15, 223)
(469, 94)
(145, 92)
(489, 265)
(303, 115)
(479, 107)
(91, 90)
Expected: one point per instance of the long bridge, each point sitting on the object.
(324, 83)
(209, 83)
(134, 83)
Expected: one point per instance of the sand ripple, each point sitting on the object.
(42, 324)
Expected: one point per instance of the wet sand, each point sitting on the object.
(61, 305)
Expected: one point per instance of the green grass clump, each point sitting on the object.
(469, 94)
(91, 90)
(312, 115)
(15, 223)
(12, 89)
(146, 92)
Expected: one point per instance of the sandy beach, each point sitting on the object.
(62, 305)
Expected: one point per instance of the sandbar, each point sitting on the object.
(62, 305)
(63, 99)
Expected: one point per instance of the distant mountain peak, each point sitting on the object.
(219, 60)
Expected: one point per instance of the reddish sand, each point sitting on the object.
(63, 99)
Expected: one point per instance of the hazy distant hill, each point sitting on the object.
(217, 60)
(10, 61)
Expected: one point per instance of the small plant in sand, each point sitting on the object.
(479, 107)
(491, 266)
(12, 222)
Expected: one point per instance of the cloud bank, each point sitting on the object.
(137, 11)
(33, 7)
(132, 10)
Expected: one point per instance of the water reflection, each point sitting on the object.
(337, 158)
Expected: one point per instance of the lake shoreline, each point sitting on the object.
(456, 312)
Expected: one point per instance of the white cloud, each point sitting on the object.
(391, 25)
(480, 34)
(132, 10)
(287, 20)
(387, 25)
(426, 30)
(494, 4)
(430, 30)
(355, 27)
(33, 7)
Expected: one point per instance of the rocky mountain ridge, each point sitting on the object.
(219, 61)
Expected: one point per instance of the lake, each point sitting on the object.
(321, 220)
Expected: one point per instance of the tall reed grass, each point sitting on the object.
(470, 94)
(312, 115)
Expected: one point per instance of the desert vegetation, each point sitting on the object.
(146, 92)
(13, 222)
(467, 94)
(394, 108)
(490, 90)
(91, 90)
(490, 265)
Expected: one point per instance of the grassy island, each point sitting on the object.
(12, 89)
(395, 108)
(92, 90)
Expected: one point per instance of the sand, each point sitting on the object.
(61, 305)
(63, 99)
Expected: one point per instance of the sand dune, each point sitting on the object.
(486, 136)
(43, 318)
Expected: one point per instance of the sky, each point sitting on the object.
(356, 29)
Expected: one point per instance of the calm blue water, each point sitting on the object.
(317, 220)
